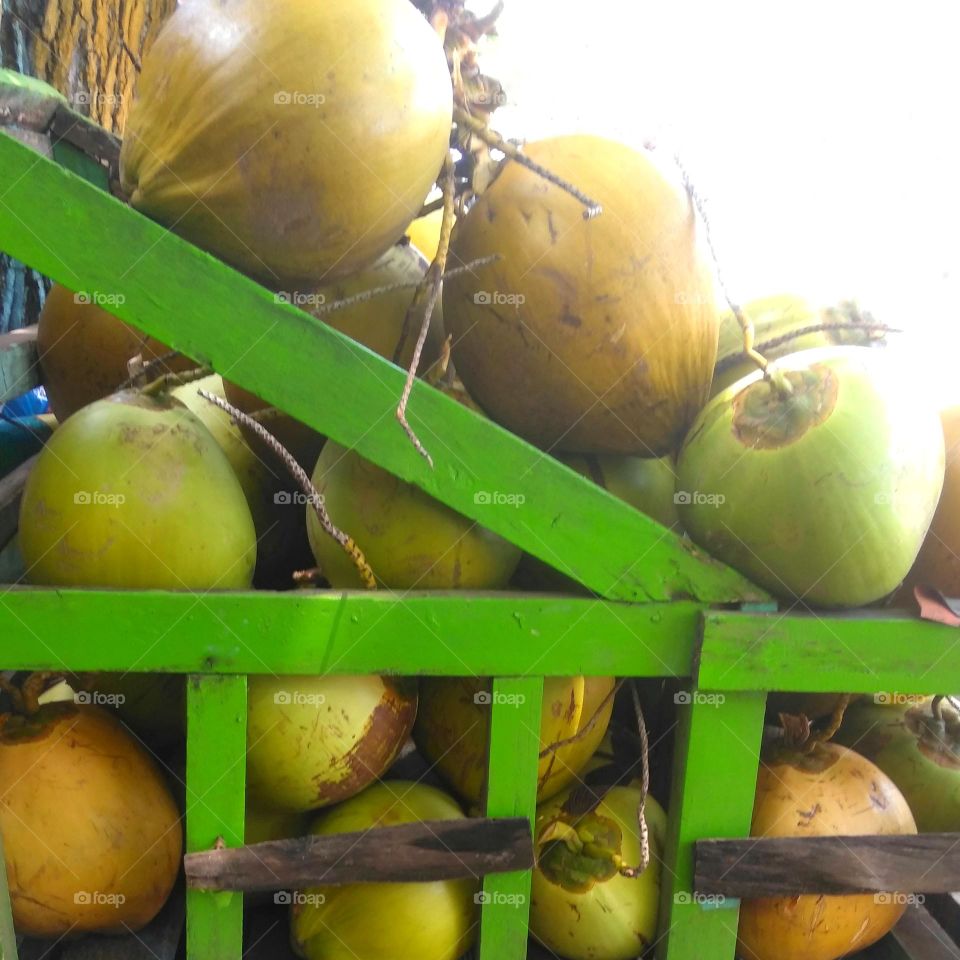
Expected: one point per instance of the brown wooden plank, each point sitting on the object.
(19, 368)
(86, 136)
(786, 866)
(432, 850)
(945, 909)
(11, 490)
(921, 938)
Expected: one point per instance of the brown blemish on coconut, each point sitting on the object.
(765, 419)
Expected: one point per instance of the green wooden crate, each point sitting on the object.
(661, 607)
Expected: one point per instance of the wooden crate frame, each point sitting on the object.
(662, 607)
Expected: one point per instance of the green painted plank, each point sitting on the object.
(8, 936)
(511, 792)
(866, 652)
(79, 163)
(333, 632)
(83, 237)
(216, 776)
(714, 780)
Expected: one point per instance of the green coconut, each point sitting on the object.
(410, 540)
(134, 492)
(818, 484)
(778, 322)
(918, 751)
(316, 740)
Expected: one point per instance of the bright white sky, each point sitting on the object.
(823, 134)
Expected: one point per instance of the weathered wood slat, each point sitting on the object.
(79, 235)
(921, 938)
(786, 866)
(11, 491)
(410, 852)
(19, 368)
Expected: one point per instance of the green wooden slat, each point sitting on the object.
(83, 237)
(216, 774)
(862, 653)
(326, 631)
(714, 780)
(79, 163)
(511, 792)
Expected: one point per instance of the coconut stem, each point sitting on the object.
(175, 380)
(493, 139)
(392, 287)
(426, 298)
(633, 872)
(140, 371)
(836, 718)
(313, 495)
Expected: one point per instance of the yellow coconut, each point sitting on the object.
(587, 336)
(91, 833)
(278, 517)
(84, 349)
(433, 920)
(134, 492)
(452, 729)
(410, 540)
(313, 741)
(829, 791)
(296, 140)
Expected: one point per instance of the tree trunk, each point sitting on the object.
(90, 50)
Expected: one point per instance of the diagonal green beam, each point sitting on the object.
(85, 239)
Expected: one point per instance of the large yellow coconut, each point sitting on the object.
(91, 833)
(586, 335)
(410, 540)
(294, 139)
(314, 741)
(453, 729)
(376, 323)
(432, 920)
(829, 791)
(134, 492)
(84, 349)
